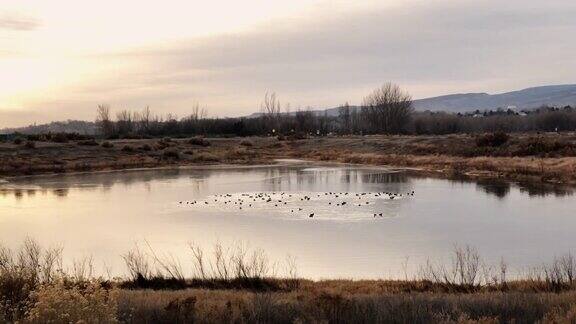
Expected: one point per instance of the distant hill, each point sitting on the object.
(69, 126)
(554, 95)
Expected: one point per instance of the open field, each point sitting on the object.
(549, 157)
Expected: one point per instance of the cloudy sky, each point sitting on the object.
(59, 59)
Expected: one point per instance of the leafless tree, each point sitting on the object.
(105, 124)
(387, 109)
(144, 120)
(198, 113)
(124, 122)
(270, 108)
(305, 121)
(345, 118)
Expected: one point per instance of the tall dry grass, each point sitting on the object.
(238, 284)
(237, 267)
(310, 306)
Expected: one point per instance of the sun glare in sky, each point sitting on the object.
(53, 48)
(61, 58)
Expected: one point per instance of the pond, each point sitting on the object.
(336, 221)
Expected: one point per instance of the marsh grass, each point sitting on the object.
(61, 303)
(107, 144)
(316, 306)
(241, 284)
(224, 268)
(199, 141)
(171, 154)
(30, 145)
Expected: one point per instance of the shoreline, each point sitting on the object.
(53, 159)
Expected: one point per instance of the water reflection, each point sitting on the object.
(544, 189)
(277, 179)
(497, 188)
(103, 214)
(501, 188)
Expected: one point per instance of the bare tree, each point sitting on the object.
(345, 118)
(198, 113)
(103, 121)
(144, 120)
(124, 122)
(305, 121)
(387, 109)
(270, 108)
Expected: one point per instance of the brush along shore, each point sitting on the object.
(547, 157)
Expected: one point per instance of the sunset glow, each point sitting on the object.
(62, 58)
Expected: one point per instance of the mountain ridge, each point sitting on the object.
(524, 99)
(528, 98)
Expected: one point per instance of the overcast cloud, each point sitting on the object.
(319, 60)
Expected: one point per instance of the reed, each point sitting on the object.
(239, 284)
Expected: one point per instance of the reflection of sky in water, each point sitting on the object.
(103, 214)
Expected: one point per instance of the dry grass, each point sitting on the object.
(560, 170)
(35, 289)
(237, 267)
(204, 306)
(50, 157)
(541, 157)
(59, 303)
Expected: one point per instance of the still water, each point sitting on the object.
(366, 222)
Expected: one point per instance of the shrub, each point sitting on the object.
(205, 157)
(297, 136)
(492, 140)
(21, 272)
(246, 143)
(107, 145)
(127, 148)
(162, 145)
(542, 146)
(130, 136)
(145, 147)
(30, 145)
(60, 138)
(90, 142)
(56, 303)
(34, 137)
(198, 141)
(18, 140)
(171, 153)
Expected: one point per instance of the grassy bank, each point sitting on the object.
(535, 157)
(531, 157)
(238, 285)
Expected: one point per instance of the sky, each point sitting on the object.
(59, 59)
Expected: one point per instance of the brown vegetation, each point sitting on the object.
(547, 157)
(34, 288)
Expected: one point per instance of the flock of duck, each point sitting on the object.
(298, 202)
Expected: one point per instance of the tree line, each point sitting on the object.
(386, 110)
